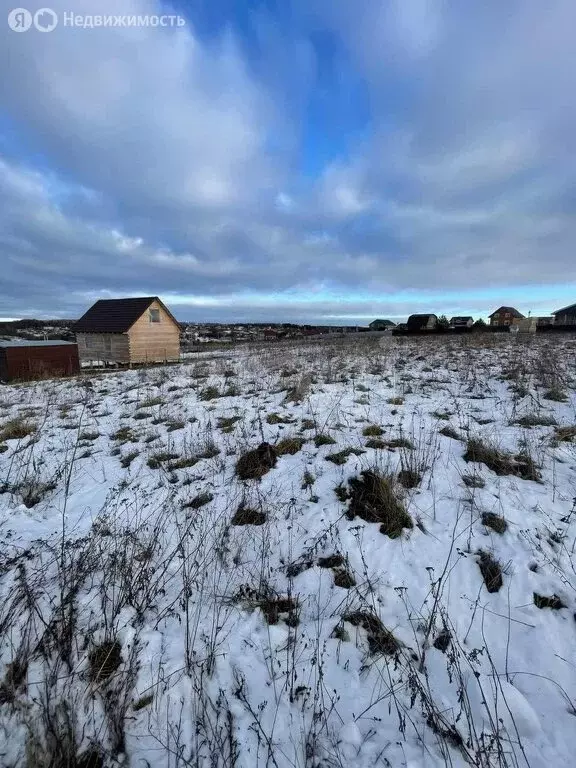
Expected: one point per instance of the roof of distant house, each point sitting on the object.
(510, 310)
(115, 315)
(461, 319)
(380, 321)
(567, 310)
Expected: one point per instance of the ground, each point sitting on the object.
(341, 552)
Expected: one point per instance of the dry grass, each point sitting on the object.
(323, 439)
(104, 660)
(496, 522)
(341, 457)
(254, 464)
(289, 445)
(491, 571)
(331, 561)
(500, 462)
(248, 516)
(373, 498)
(199, 501)
(535, 420)
(275, 418)
(380, 639)
(161, 457)
(375, 442)
(17, 429)
(553, 602)
(473, 481)
(565, 434)
(373, 430)
(449, 432)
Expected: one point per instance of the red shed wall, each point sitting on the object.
(40, 362)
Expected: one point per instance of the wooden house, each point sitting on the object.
(504, 316)
(22, 360)
(127, 331)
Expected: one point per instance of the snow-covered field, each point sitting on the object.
(380, 596)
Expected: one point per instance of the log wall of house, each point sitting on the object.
(154, 342)
(105, 347)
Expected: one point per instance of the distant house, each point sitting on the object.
(381, 325)
(140, 330)
(504, 316)
(565, 316)
(22, 359)
(545, 320)
(461, 322)
(422, 322)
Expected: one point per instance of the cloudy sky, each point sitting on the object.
(291, 160)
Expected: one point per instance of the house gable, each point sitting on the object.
(155, 336)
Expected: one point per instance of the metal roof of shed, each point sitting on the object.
(39, 343)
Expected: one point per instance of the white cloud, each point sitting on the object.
(146, 113)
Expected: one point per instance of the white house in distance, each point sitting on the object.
(462, 322)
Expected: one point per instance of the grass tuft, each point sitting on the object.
(17, 429)
(500, 462)
(199, 501)
(496, 522)
(254, 464)
(341, 457)
(104, 660)
(373, 430)
(553, 602)
(289, 445)
(380, 639)
(248, 516)
(373, 498)
(491, 571)
(321, 440)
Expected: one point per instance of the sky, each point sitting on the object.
(326, 161)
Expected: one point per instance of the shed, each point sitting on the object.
(135, 330)
(24, 360)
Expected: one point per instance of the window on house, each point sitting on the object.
(89, 341)
(154, 315)
(107, 344)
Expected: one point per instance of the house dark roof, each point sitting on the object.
(115, 315)
(511, 310)
(379, 321)
(571, 310)
(418, 321)
(461, 319)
